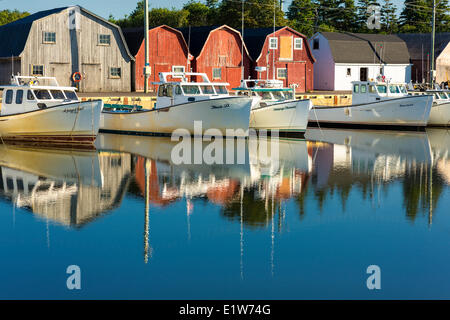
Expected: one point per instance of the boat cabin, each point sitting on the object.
(27, 94)
(268, 90)
(373, 91)
(172, 93)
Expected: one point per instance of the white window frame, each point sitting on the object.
(173, 70)
(37, 65)
(214, 77)
(295, 43)
(278, 76)
(103, 44)
(270, 43)
(47, 41)
(111, 76)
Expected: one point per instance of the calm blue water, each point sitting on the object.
(141, 227)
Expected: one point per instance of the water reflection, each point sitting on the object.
(69, 187)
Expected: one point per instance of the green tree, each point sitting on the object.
(416, 16)
(256, 14)
(389, 21)
(362, 16)
(302, 16)
(198, 13)
(336, 15)
(8, 16)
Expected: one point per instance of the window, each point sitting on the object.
(298, 43)
(57, 94)
(393, 89)
(222, 61)
(19, 96)
(277, 95)
(30, 95)
(115, 72)
(372, 89)
(71, 95)
(363, 72)
(191, 89)
(273, 43)
(9, 97)
(104, 39)
(207, 89)
(217, 73)
(356, 88)
(179, 69)
(37, 70)
(316, 44)
(349, 71)
(363, 88)
(42, 94)
(281, 73)
(381, 89)
(178, 90)
(221, 89)
(49, 37)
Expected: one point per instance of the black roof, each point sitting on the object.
(14, 35)
(367, 48)
(419, 44)
(134, 38)
(196, 37)
(254, 39)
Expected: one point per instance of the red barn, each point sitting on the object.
(218, 53)
(168, 52)
(289, 50)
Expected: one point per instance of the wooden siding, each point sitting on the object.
(167, 48)
(299, 67)
(78, 51)
(222, 50)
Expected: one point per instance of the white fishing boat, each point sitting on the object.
(440, 112)
(179, 105)
(376, 103)
(275, 107)
(37, 109)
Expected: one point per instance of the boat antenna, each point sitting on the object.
(242, 43)
(432, 44)
(273, 52)
(189, 48)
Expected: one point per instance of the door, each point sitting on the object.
(286, 52)
(363, 72)
(92, 76)
(233, 76)
(61, 72)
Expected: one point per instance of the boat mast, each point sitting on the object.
(242, 44)
(147, 60)
(273, 51)
(432, 43)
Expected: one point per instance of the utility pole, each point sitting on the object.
(147, 60)
(281, 4)
(432, 44)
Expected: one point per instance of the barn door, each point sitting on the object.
(233, 76)
(62, 74)
(286, 50)
(91, 81)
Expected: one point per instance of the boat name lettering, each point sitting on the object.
(73, 110)
(221, 106)
(406, 105)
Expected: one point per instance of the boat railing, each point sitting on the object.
(35, 81)
(183, 75)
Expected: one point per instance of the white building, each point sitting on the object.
(345, 57)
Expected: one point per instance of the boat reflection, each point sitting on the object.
(68, 187)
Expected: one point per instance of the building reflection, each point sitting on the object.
(68, 187)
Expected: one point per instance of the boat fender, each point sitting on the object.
(76, 77)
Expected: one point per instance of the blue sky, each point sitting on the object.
(101, 7)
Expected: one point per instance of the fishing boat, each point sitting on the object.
(184, 104)
(275, 107)
(440, 112)
(37, 109)
(376, 104)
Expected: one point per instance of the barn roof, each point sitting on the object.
(135, 37)
(14, 35)
(419, 44)
(255, 38)
(196, 37)
(367, 48)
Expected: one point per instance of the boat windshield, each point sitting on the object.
(265, 95)
(71, 95)
(443, 95)
(190, 89)
(403, 89)
(42, 94)
(278, 95)
(57, 94)
(393, 89)
(221, 89)
(207, 89)
(289, 95)
(381, 88)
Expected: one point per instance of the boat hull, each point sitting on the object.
(73, 123)
(287, 117)
(413, 111)
(224, 113)
(440, 115)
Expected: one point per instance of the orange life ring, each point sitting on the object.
(76, 77)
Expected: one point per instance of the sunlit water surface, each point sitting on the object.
(141, 227)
